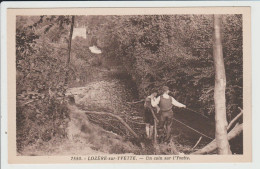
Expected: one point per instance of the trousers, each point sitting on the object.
(166, 122)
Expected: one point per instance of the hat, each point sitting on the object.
(165, 88)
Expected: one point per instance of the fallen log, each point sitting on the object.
(117, 117)
(213, 145)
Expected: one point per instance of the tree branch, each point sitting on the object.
(136, 102)
(234, 120)
(117, 117)
(197, 142)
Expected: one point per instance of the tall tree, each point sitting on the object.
(69, 49)
(219, 91)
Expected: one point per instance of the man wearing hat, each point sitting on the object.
(166, 103)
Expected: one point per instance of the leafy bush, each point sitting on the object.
(41, 112)
(40, 122)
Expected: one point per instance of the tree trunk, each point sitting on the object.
(219, 91)
(69, 49)
(213, 145)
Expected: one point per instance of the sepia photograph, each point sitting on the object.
(131, 86)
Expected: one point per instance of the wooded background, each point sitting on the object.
(154, 50)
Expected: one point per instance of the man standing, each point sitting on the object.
(166, 103)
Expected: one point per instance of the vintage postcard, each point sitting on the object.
(129, 85)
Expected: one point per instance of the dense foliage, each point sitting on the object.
(175, 50)
(40, 67)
